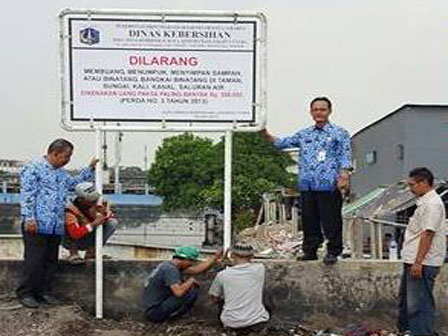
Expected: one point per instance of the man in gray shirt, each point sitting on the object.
(240, 287)
(166, 294)
(423, 254)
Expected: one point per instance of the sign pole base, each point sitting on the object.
(228, 190)
(99, 230)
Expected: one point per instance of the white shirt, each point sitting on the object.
(241, 287)
(429, 215)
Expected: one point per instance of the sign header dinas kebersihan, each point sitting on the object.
(195, 34)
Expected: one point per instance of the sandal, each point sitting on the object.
(75, 260)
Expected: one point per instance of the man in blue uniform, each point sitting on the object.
(44, 189)
(324, 167)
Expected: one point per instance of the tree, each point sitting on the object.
(257, 167)
(183, 166)
(189, 173)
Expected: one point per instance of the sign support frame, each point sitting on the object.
(228, 128)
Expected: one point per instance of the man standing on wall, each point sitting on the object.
(423, 254)
(44, 189)
(324, 168)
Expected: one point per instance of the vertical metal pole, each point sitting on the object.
(117, 162)
(99, 230)
(228, 190)
(104, 151)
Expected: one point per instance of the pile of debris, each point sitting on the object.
(273, 240)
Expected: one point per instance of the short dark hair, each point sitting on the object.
(59, 145)
(422, 174)
(325, 99)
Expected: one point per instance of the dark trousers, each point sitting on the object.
(172, 307)
(41, 259)
(321, 210)
(416, 305)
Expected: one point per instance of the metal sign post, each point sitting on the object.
(162, 71)
(99, 229)
(118, 138)
(228, 190)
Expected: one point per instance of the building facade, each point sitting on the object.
(411, 136)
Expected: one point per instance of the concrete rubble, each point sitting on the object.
(273, 241)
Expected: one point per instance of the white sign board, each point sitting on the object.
(145, 68)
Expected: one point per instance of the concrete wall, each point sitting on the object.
(299, 290)
(131, 216)
(9, 218)
(11, 247)
(138, 224)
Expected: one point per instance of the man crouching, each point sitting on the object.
(82, 217)
(167, 296)
(240, 289)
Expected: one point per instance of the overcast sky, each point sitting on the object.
(369, 56)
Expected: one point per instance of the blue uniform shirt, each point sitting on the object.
(44, 191)
(323, 153)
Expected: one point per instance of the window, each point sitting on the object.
(400, 152)
(371, 158)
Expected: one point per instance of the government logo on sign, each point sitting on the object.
(89, 36)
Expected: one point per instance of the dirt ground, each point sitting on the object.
(71, 320)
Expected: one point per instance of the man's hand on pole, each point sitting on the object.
(93, 163)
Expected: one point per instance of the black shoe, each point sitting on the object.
(49, 299)
(29, 302)
(330, 259)
(307, 257)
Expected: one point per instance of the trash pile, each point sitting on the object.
(302, 330)
(352, 330)
(273, 241)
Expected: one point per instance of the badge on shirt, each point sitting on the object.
(321, 155)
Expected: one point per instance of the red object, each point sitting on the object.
(76, 223)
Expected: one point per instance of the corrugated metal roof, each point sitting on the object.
(350, 209)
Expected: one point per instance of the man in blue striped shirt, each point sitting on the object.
(324, 167)
(44, 188)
